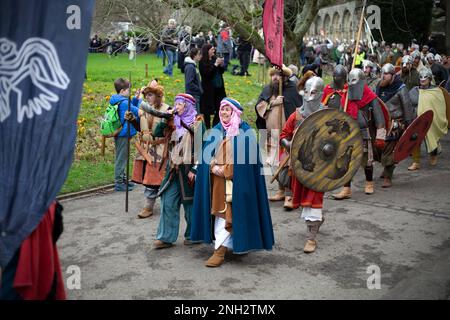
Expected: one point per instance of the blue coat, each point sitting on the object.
(123, 106)
(252, 223)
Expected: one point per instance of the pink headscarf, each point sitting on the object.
(232, 126)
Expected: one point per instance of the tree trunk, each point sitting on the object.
(291, 52)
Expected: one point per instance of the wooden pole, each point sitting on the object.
(103, 146)
(282, 164)
(146, 70)
(358, 37)
(128, 150)
(280, 93)
(381, 33)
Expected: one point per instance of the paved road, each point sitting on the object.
(405, 231)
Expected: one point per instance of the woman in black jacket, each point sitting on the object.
(191, 78)
(211, 71)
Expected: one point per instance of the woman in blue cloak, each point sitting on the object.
(230, 198)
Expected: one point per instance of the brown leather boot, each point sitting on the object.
(387, 183)
(145, 213)
(217, 258)
(414, 166)
(279, 196)
(369, 187)
(310, 246)
(346, 193)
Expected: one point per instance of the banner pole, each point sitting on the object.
(356, 47)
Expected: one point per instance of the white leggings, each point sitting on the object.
(223, 237)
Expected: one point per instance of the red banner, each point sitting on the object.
(273, 17)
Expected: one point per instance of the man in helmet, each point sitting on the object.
(311, 201)
(393, 92)
(369, 69)
(387, 56)
(409, 75)
(333, 92)
(426, 97)
(364, 106)
(424, 53)
(439, 73)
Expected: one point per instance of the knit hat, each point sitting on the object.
(186, 98)
(232, 103)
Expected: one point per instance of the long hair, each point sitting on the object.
(205, 52)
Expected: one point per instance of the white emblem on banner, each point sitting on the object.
(38, 61)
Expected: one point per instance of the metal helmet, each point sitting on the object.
(368, 63)
(339, 76)
(437, 58)
(356, 82)
(415, 55)
(375, 44)
(388, 68)
(425, 73)
(313, 94)
(430, 56)
(407, 59)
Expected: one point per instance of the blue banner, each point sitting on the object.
(43, 51)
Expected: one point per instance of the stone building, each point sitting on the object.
(339, 21)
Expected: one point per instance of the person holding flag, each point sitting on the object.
(275, 105)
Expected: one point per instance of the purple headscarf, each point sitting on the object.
(189, 114)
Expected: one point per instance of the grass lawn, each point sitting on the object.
(89, 168)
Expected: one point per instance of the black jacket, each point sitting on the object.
(192, 83)
(292, 100)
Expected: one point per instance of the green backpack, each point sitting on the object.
(110, 125)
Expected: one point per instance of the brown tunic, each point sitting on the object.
(150, 173)
(219, 206)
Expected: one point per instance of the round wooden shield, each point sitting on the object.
(413, 136)
(326, 150)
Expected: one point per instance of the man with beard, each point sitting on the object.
(333, 92)
(392, 91)
(409, 75)
(369, 69)
(272, 110)
(364, 106)
(311, 201)
(429, 97)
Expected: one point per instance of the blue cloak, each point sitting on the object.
(252, 223)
